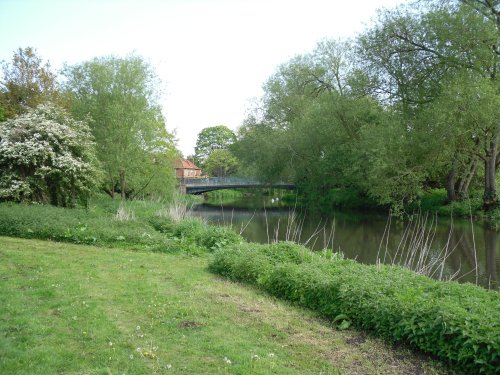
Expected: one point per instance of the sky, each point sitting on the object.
(212, 56)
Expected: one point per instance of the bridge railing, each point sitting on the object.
(217, 181)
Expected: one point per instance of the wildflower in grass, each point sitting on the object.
(110, 343)
(131, 356)
(227, 361)
(271, 355)
(138, 328)
(168, 367)
(255, 357)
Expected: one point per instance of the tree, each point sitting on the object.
(27, 82)
(210, 139)
(221, 163)
(314, 117)
(133, 146)
(412, 54)
(46, 156)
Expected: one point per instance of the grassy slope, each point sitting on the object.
(70, 309)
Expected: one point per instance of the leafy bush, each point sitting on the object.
(348, 198)
(247, 262)
(433, 199)
(46, 156)
(204, 235)
(459, 323)
(437, 200)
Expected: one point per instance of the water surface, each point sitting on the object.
(368, 237)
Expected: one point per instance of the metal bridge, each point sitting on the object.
(203, 185)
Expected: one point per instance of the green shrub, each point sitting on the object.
(437, 200)
(433, 199)
(348, 198)
(459, 323)
(213, 238)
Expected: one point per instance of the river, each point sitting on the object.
(439, 247)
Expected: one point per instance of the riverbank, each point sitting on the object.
(433, 201)
(150, 228)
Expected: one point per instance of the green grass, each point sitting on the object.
(98, 225)
(73, 309)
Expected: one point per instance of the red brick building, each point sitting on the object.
(186, 169)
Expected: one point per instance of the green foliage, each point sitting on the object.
(81, 226)
(218, 137)
(100, 225)
(339, 198)
(27, 82)
(46, 156)
(456, 322)
(262, 152)
(224, 195)
(412, 104)
(221, 163)
(121, 97)
(433, 66)
(198, 232)
(436, 200)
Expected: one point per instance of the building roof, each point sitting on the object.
(185, 164)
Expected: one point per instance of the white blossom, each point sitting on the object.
(45, 153)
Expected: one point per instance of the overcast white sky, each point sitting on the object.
(212, 55)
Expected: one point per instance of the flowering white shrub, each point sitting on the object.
(46, 156)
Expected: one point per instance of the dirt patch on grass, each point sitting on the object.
(353, 352)
(356, 339)
(190, 324)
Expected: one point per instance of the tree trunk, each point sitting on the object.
(450, 183)
(463, 187)
(490, 198)
(123, 184)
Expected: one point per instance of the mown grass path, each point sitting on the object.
(69, 309)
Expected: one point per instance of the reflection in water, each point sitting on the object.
(491, 257)
(361, 237)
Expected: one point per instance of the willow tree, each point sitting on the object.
(414, 55)
(120, 95)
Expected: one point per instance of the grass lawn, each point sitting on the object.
(71, 309)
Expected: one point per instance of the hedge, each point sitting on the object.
(459, 323)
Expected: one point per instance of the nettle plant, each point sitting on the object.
(47, 156)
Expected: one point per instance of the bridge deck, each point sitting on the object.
(203, 185)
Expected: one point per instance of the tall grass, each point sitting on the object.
(177, 210)
(124, 214)
(415, 250)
